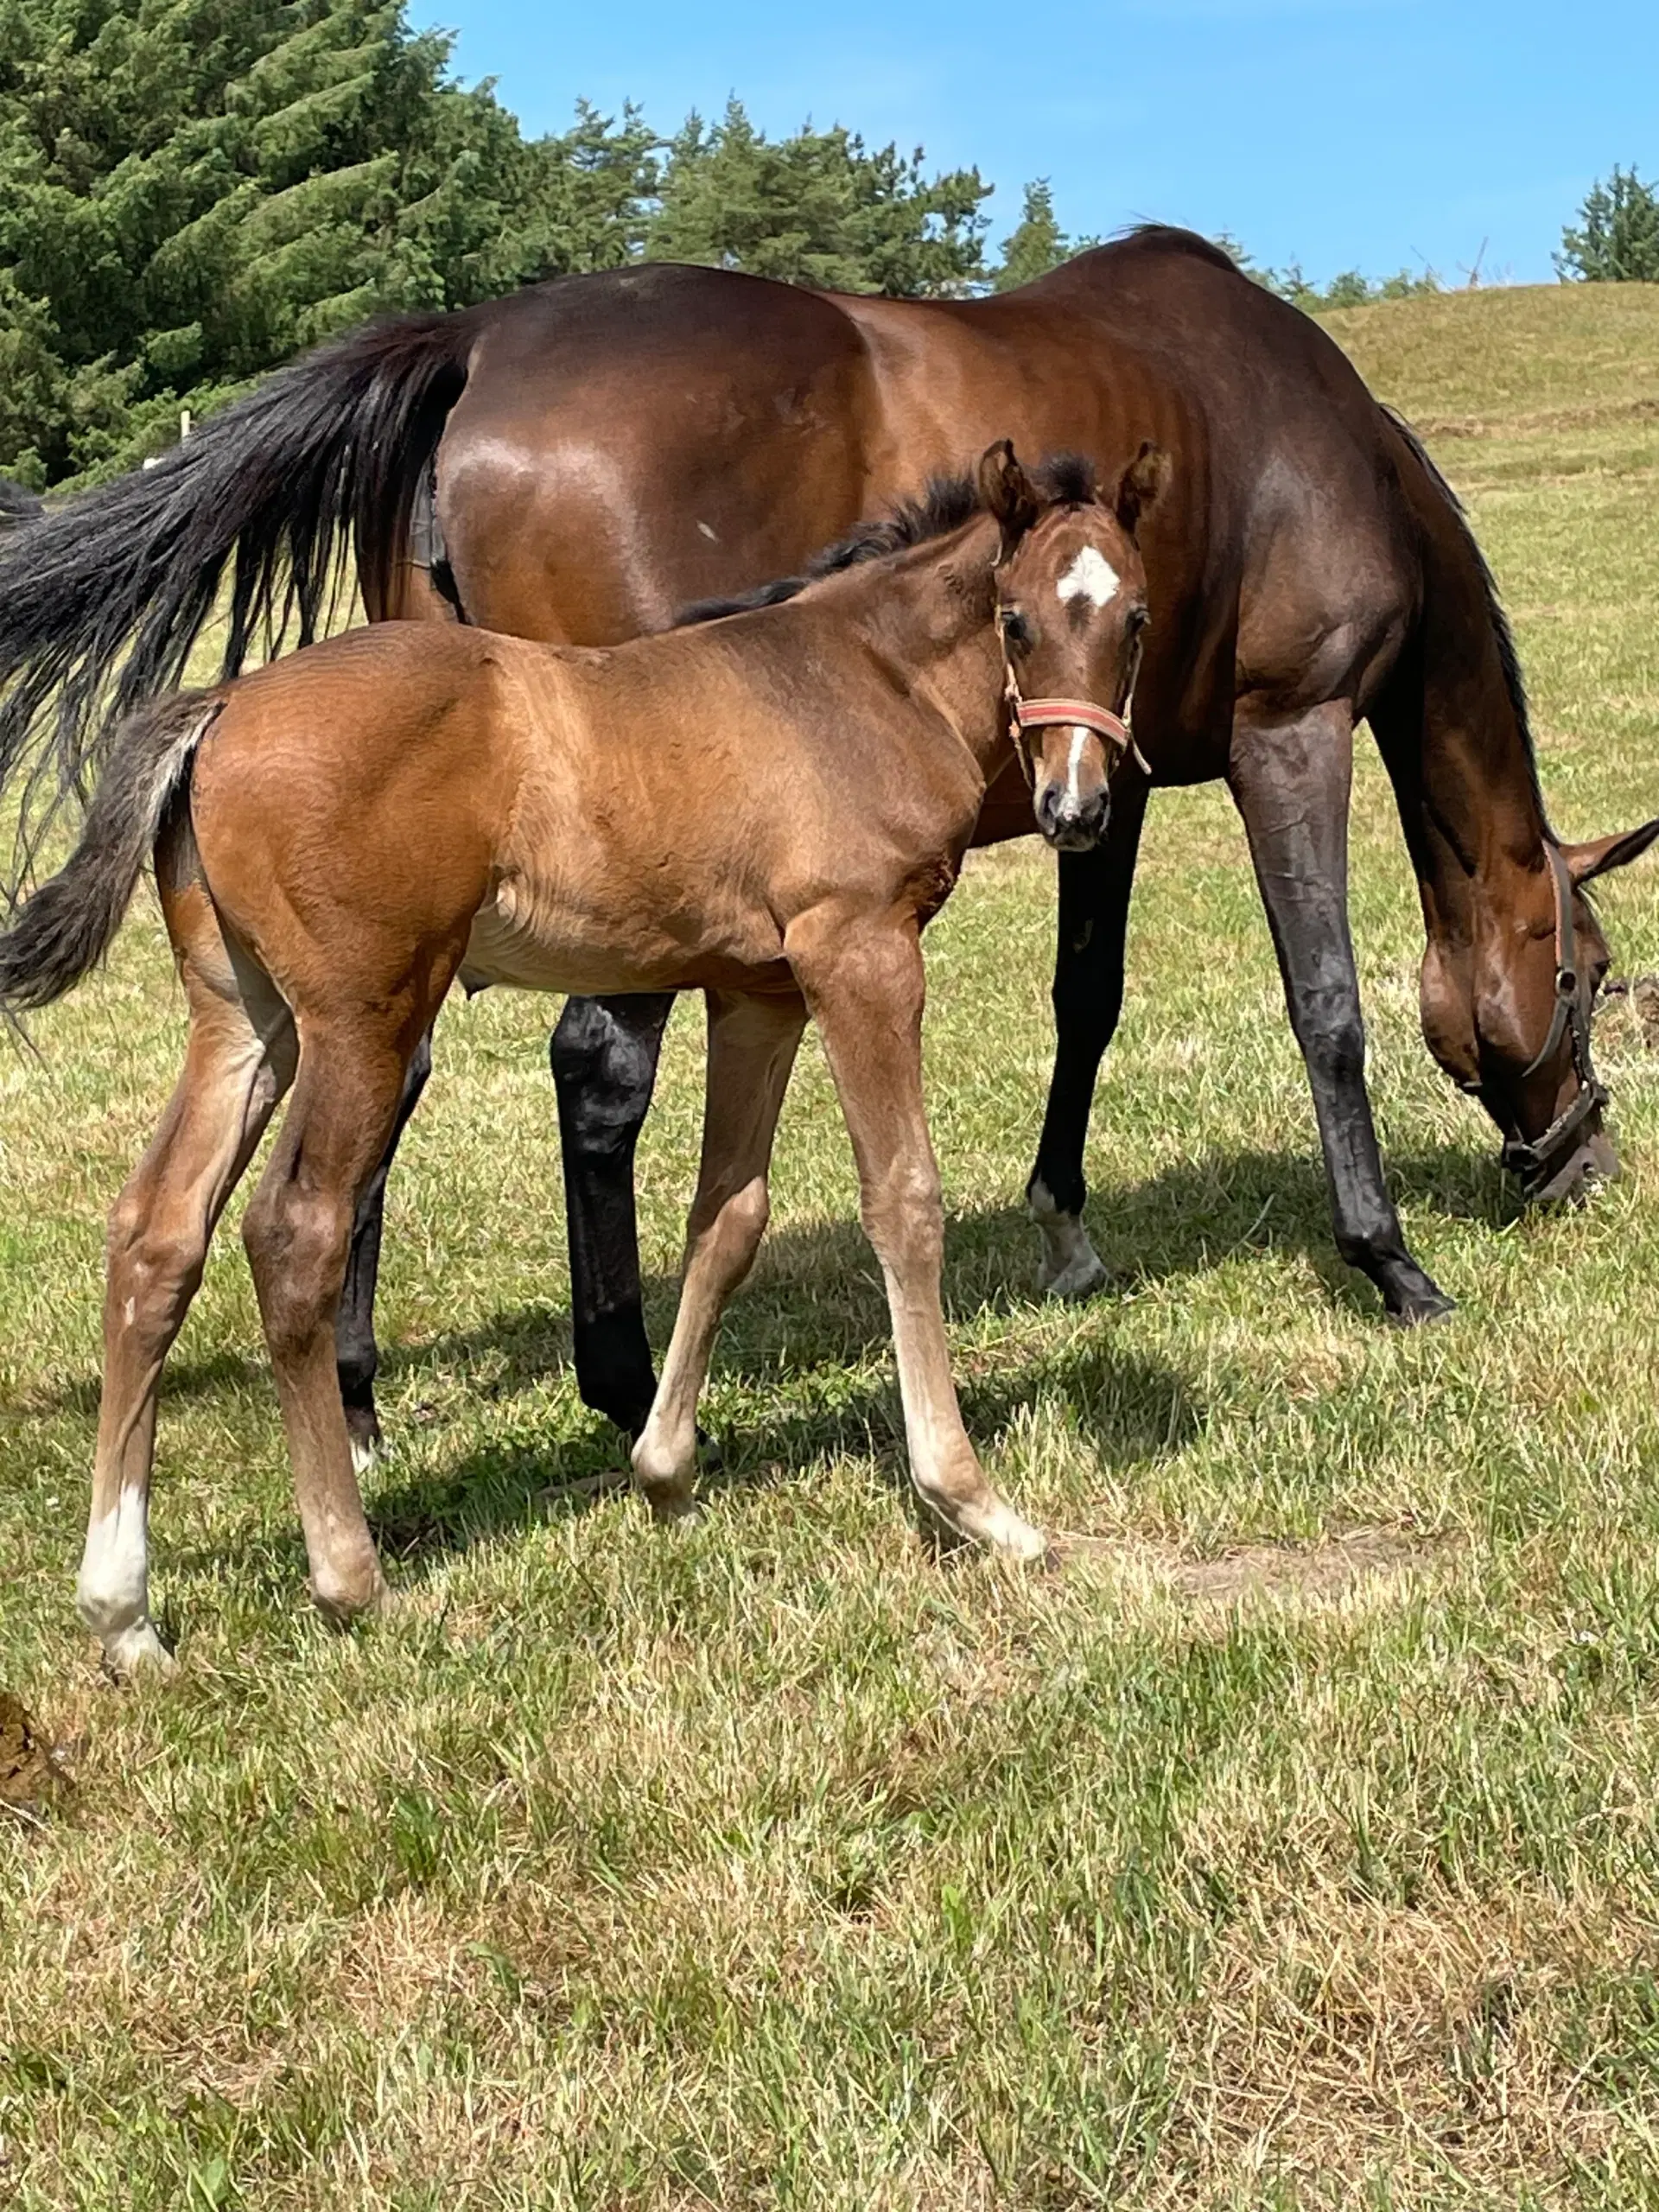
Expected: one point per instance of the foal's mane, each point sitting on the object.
(948, 502)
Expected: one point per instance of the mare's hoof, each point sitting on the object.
(363, 1431)
(134, 1654)
(1434, 1306)
(1080, 1277)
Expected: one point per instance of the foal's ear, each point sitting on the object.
(1143, 484)
(1007, 491)
(1598, 856)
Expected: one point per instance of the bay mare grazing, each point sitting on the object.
(768, 808)
(578, 463)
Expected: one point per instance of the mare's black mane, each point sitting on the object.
(1064, 479)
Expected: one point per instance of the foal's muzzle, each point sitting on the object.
(1072, 825)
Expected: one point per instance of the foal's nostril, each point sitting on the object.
(1071, 825)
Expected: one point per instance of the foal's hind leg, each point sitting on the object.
(357, 1357)
(864, 984)
(752, 1047)
(298, 1230)
(238, 1062)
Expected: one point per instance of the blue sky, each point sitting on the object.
(1341, 133)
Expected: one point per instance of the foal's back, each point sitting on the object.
(635, 818)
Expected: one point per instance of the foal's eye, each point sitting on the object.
(1138, 620)
(1016, 629)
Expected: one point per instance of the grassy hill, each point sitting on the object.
(1295, 1846)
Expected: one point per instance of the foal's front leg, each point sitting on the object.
(751, 1045)
(864, 983)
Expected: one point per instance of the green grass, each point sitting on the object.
(1294, 1846)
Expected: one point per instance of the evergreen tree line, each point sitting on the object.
(192, 191)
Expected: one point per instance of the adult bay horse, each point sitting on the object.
(606, 449)
(768, 808)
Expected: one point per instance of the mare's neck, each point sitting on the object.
(1467, 790)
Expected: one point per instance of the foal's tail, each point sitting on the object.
(71, 921)
(101, 599)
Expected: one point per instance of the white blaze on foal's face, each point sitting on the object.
(1090, 577)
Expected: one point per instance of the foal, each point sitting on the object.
(768, 808)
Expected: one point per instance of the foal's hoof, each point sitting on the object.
(133, 1653)
(674, 1509)
(342, 1606)
(1016, 1539)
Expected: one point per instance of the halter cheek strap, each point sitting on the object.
(1537, 1163)
(1027, 714)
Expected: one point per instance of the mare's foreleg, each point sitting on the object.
(864, 983)
(752, 1047)
(604, 1054)
(237, 1065)
(1093, 913)
(357, 1357)
(1290, 780)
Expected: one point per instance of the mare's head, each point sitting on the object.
(1071, 612)
(1506, 1012)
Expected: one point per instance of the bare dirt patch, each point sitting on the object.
(1315, 1574)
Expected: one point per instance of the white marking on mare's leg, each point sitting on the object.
(1090, 577)
(1071, 1268)
(113, 1591)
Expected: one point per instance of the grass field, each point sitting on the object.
(1294, 1846)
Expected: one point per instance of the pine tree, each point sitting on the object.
(1618, 242)
(1036, 244)
(818, 209)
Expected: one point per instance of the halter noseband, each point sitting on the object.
(1538, 1163)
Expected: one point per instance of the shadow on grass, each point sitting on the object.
(815, 1299)
(1128, 1410)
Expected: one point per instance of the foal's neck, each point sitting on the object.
(932, 622)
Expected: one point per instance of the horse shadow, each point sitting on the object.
(815, 1309)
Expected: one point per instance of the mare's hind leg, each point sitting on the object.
(238, 1062)
(752, 1047)
(604, 1056)
(865, 986)
(298, 1230)
(1094, 914)
(1290, 780)
(357, 1357)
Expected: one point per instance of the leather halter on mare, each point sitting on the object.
(1539, 1163)
(1026, 715)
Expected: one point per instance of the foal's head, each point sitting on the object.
(1071, 612)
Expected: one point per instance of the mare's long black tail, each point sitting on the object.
(71, 921)
(102, 599)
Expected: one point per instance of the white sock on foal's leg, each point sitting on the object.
(113, 1591)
